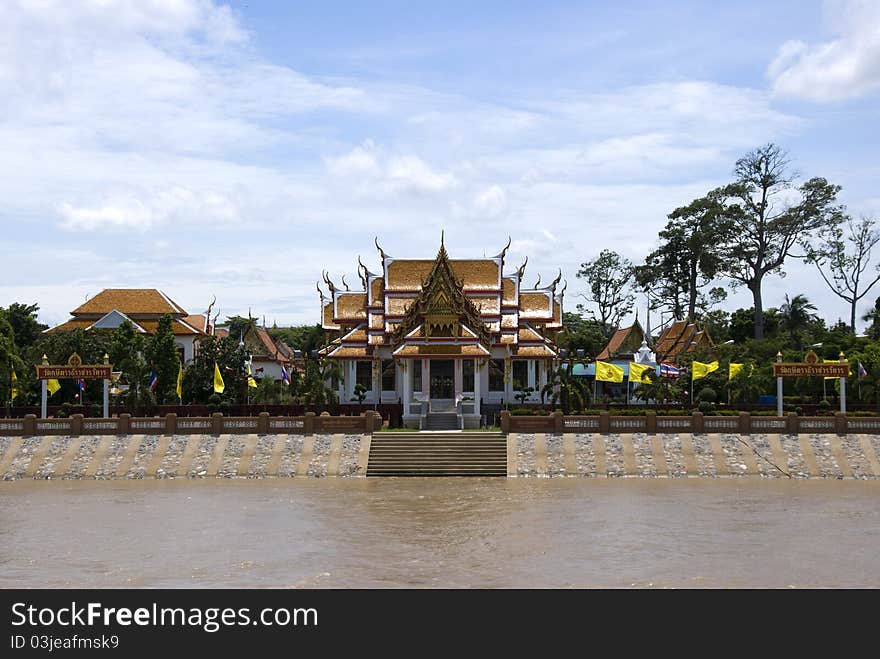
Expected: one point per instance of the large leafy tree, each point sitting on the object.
(690, 256)
(765, 223)
(608, 278)
(842, 260)
(23, 320)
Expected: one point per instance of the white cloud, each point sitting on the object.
(844, 67)
(375, 172)
(492, 202)
(131, 212)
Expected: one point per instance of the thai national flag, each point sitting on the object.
(154, 381)
(81, 384)
(285, 376)
(862, 371)
(668, 370)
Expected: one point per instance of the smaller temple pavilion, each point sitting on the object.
(443, 336)
(143, 307)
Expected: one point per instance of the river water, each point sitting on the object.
(425, 533)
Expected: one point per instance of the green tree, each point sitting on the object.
(660, 390)
(127, 355)
(608, 277)
(301, 337)
(765, 225)
(571, 392)
(795, 316)
(313, 388)
(581, 334)
(198, 376)
(843, 260)
(164, 359)
(873, 317)
(25, 326)
(690, 256)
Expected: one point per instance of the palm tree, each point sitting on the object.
(796, 317)
(570, 391)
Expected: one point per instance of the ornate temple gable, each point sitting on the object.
(349, 306)
(441, 306)
(407, 275)
(538, 303)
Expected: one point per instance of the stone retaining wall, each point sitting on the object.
(667, 455)
(178, 456)
(713, 455)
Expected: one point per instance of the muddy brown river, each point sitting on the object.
(427, 533)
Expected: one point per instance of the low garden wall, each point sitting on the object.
(652, 423)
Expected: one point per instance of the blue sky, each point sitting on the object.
(238, 149)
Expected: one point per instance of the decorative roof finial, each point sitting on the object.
(556, 281)
(382, 254)
(504, 251)
(537, 283)
(329, 283)
(320, 292)
(367, 272)
(344, 283)
(522, 269)
(564, 286)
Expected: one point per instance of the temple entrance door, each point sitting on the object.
(442, 379)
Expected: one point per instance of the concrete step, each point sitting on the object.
(438, 454)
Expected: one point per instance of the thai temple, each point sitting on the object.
(443, 336)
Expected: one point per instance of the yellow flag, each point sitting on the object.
(218, 380)
(606, 372)
(14, 392)
(180, 382)
(701, 370)
(251, 381)
(735, 369)
(640, 372)
(53, 386)
(834, 361)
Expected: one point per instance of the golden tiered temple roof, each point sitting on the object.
(473, 301)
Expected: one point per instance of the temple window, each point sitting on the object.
(364, 374)
(496, 375)
(467, 374)
(416, 366)
(388, 375)
(520, 374)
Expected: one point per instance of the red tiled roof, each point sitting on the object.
(618, 339)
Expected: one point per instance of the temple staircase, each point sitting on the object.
(441, 421)
(438, 454)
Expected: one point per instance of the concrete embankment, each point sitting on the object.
(181, 456)
(675, 455)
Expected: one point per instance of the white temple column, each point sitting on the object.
(531, 375)
(426, 378)
(406, 369)
(458, 377)
(478, 381)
